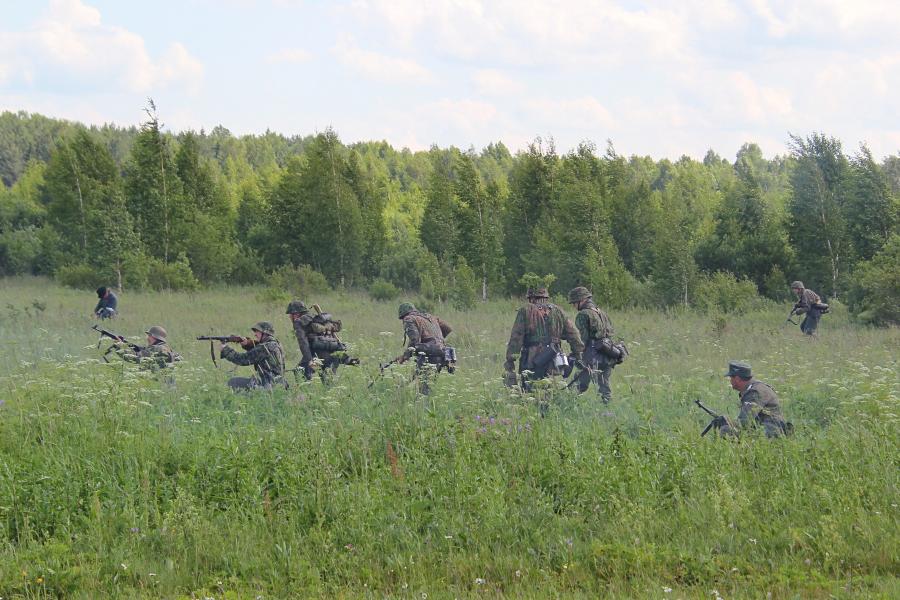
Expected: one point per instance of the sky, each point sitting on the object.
(663, 79)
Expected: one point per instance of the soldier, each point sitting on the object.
(317, 338)
(536, 337)
(264, 353)
(596, 332)
(759, 404)
(424, 336)
(106, 305)
(808, 303)
(155, 355)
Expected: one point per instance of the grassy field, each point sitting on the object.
(115, 484)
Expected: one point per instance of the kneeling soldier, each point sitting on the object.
(424, 338)
(264, 353)
(758, 403)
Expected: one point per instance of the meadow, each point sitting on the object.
(115, 483)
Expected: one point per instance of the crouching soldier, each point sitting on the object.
(317, 337)
(107, 304)
(264, 353)
(759, 405)
(155, 355)
(808, 304)
(424, 336)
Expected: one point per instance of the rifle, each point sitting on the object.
(382, 367)
(220, 338)
(717, 419)
(583, 367)
(117, 339)
(792, 313)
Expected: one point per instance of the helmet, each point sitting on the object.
(797, 285)
(296, 307)
(405, 309)
(157, 332)
(264, 327)
(578, 294)
(540, 292)
(101, 291)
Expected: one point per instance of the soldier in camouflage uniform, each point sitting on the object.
(264, 354)
(155, 355)
(536, 336)
(759, 405)
(316, 336)
(424, 336)
(596, 332)
(807, 302)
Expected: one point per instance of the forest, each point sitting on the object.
(144, 208)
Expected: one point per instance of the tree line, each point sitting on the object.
(140, 207)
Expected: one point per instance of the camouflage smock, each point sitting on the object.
(266, 357)
(155, 356)
(806, 301)
(425, 332)
(538, 325)
(593, 323)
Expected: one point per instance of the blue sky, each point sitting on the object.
(657, 78)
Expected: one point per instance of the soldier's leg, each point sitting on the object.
(603, 374)
(241, 384)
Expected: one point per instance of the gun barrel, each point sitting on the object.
(706, 410)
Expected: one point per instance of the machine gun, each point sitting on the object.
(717, 419)
(117, 339)
(244, 342)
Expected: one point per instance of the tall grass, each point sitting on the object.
(114, 483)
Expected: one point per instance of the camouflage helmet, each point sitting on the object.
(264, 327)
(797, 285)
(578, 294)
(296, 307)
(158, 332)
(404, 309)
(540, 292)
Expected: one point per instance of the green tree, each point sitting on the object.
(873, 211)
(818, 225)
(152, 188)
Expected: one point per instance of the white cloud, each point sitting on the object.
(467, 115)
(71, 46)
(585, 112)
(380, 66)
(293, 56)
(492, 82)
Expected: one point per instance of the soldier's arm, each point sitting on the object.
(750, 407)
(516, 336)
(411, 331)
(803, 304)
(445, 328)
(570, 334)
(583, 324)
(303, 342)
(244, 359)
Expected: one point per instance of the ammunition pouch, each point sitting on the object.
(616, 352)
(544, 358)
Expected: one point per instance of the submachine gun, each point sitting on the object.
(116, 338)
